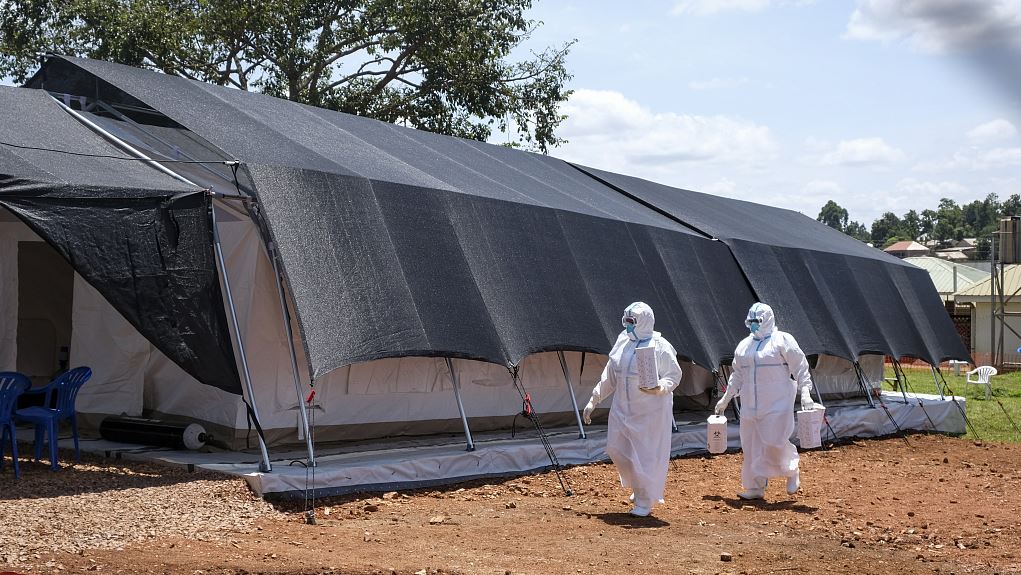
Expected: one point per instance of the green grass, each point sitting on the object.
(988, 418)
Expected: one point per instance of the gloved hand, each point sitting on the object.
(721, 405)
(660, 389)
(586, 416)
(806, 399)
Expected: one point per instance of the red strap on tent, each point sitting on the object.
(526, 406)
(311, 396)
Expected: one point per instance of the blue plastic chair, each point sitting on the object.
(12, 384)
(48, 417)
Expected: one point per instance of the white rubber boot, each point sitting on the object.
(794, 483)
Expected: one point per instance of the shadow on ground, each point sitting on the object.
(762, 504)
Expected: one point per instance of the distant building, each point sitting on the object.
(947, 276)
(955, 254)
(977, 298)
(907, 249)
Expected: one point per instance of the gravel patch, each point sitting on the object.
(101, 504)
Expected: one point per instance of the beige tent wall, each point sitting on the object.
(131, 377)
(835, 377)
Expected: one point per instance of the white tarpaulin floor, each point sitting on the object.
(422, 462)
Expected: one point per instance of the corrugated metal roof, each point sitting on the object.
(942, 273)
(906, 246)
(1011, 284)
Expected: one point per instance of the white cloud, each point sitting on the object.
(607, 130)
(714, 6)
(910, 193)
(820, 188)
(865, 206)
(861, 152)
(939, 25)
(705, 7)
(975, 159)
(1000, 157)
(717, 84)
(998, 129)
(816, 193)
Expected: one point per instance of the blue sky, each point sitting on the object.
(880, 105)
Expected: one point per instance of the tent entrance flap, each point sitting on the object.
(150, 257)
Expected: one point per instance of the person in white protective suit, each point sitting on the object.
(769, 370)
(638, 432)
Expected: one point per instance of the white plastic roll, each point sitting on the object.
(194, 436)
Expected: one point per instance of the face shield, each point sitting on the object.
(753, 325)
(629, 322)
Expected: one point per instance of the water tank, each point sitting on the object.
(1009, 251)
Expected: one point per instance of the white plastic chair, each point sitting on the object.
(982, 375)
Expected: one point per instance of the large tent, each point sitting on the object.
(392, 252)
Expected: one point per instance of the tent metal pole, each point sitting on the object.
(992, 299)
(939, 387)
(570, 391)
(864, 385)
(203, 165)
(265, 466)
(460, 406)
(294, 357)
(901, 378)
(123, 145)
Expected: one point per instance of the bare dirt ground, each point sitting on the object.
(930, 504)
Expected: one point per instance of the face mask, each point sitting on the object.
(630, 328)
(754, 327)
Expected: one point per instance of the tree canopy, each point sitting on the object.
(833, 215)
(446, 66)
(946, 224)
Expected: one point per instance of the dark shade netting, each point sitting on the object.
(410, 230)
(142, 239)
(383, 270)
(398, 242)
(835, 294)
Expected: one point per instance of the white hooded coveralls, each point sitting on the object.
(769, 369)
(639, 428)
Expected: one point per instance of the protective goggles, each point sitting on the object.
(753, 320)
(628, 320)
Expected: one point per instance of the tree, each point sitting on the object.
(1011, 206)
(833, 216)
(982, 248)
(439, 65)
(857, 231)
(886, 227)
(928, 223)
(949, 223)
(911, 225)
(980, 216)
